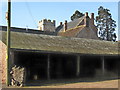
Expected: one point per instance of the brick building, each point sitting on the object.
(47, 25)
(71, 50)
(3, 62)
(81, 28)
(54, 57)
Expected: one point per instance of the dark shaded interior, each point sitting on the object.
(89, 64)
(35, 64)
(61, 66)
(64, 66)
(112, 64)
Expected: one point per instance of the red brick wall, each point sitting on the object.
(3, 64)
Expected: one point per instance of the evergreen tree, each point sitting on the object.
(76, 15)
(106, 24)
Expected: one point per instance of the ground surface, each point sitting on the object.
(83, 84)
(99, 84)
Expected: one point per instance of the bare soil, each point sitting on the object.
(99, 84)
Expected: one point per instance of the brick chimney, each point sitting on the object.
(54, 22)
(60, 23)
(92, 18)
(65, 25)
(86, 20)
(86, 14)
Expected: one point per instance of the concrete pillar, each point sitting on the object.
(103, 65)
(48, 67)
(78, 66)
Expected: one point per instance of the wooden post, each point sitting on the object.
(8, 17)
(78, 66)
(48, 67)
(12, 57)
(103, 65)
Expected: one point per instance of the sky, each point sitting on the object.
(27, 13)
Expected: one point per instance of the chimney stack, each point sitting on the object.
(92, 18)
(86, 14)
(54, 22)
(60, 23)
(86, 20)
(65, 25)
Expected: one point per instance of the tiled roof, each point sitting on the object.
(27, 41)
(72, 32)
(72, 24)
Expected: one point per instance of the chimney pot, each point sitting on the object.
(86, 20)
(92, 15)
(92, 18)
(65, 25)
(54, 22)
(65, 21)
(60, 23)
(49, 20)
(86, 14)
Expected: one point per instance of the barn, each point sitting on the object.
(55, 57)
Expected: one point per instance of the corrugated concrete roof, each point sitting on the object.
(60, 44)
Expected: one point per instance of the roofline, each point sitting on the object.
(73, 28)
(27, 30)
(56, 52)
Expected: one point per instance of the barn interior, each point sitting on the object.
(36, 64)
(48, 66)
